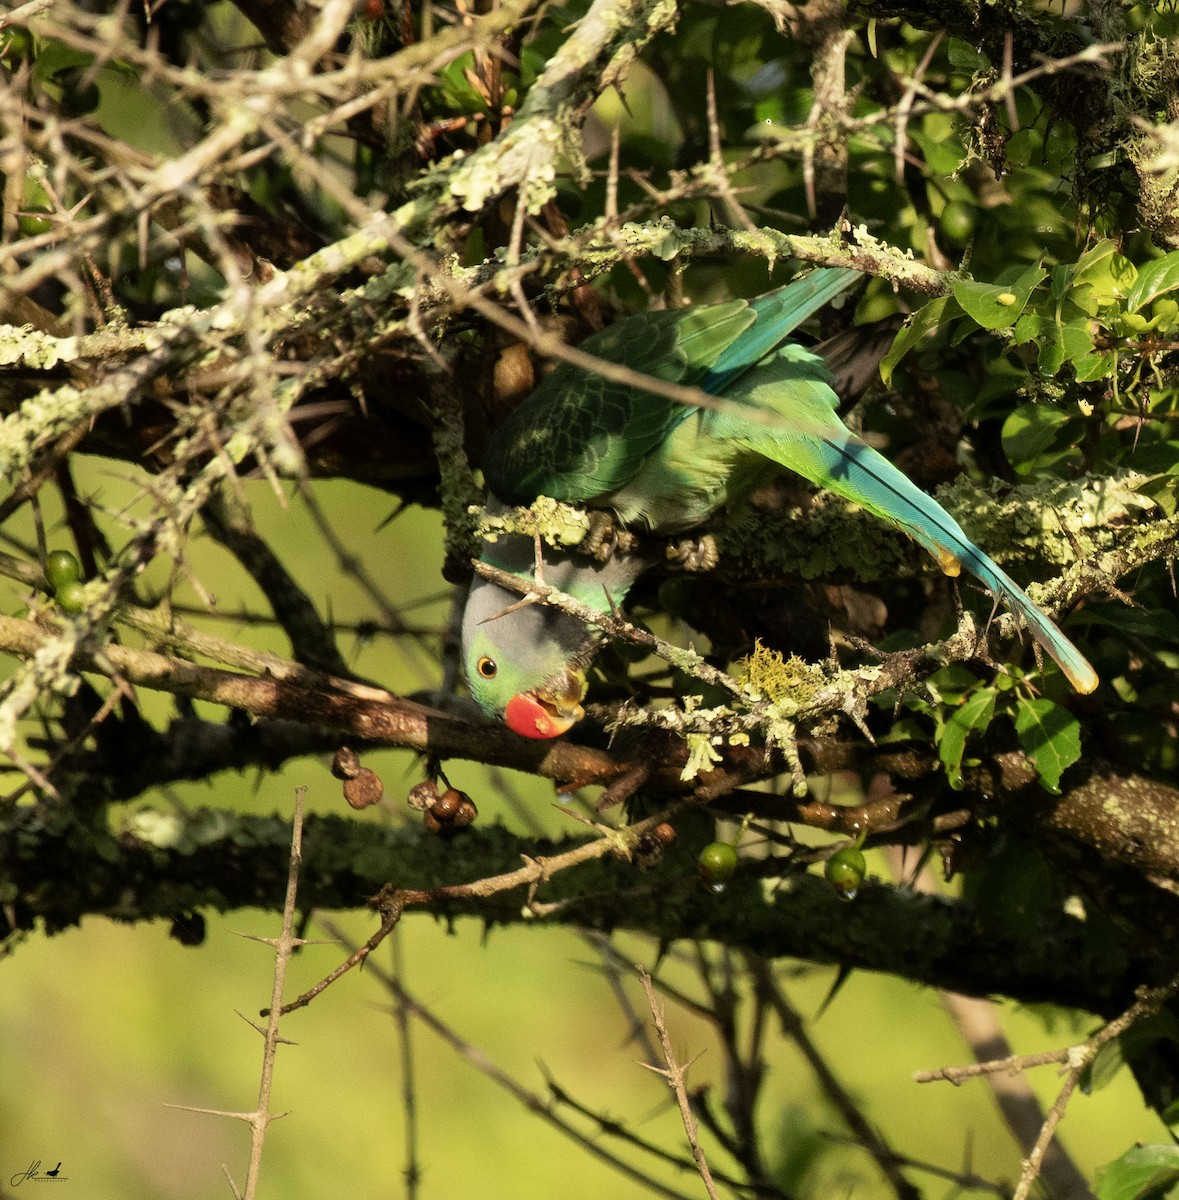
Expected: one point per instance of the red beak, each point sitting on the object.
(548, 711)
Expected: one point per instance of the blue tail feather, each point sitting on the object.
(869, 479)
(835, 459)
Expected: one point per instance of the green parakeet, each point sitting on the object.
(668, 467)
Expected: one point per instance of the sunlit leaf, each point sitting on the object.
(1051, 738)
(1064, 343)
(1094, 366)
(1154, 279)
(1029, 431)
(997, 305)
(1031, 327)
(976, 713)
(1104, 273)
(924, 320)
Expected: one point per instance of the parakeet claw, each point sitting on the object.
(695, 553)
(549, 710)
(605, 538)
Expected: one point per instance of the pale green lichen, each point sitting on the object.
(560, 525)
(545, 133)
(703, 754)
(47, 671)
(24, 346)
(526, 153)
(42, 417)
(829, 538)
(1052, 520)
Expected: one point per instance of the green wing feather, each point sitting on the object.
(579, 437)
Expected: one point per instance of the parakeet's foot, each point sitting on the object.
(605, 538)
(695, 553)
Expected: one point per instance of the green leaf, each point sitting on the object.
(55, 57)
(1150, 624)
(964, 55)
(943, 154)
(1029, 431)
(1090, 367)
(1064, 343)
(1030, 327)
(997, 305)
(1105, 1067)
(1104, 273)
(1166, 315)
(925, 319)
(976, 713)
(1154, 279)
(1134, 1045)
(1141, 1172)
(1051, 738)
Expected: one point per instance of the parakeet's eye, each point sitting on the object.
(486, 667)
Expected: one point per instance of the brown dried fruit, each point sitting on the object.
(648, 852)
(514, 375)
(467, 812)
(346, 763)
(445, 807)
(365, 790)
(422, 795)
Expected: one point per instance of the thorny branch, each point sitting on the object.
(535, 1103)
(284, 946)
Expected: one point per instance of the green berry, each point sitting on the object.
(34, 221)
(71, 597)
(61, 567)
(717, 862)
(845, 871)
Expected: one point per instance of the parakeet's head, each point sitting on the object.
(525, 666)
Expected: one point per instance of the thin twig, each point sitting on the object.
(611, 1127)
(412, 1171)
(284, 946)
(674, 1074)
(1012, 1062)
(716, 161)
(394, 901)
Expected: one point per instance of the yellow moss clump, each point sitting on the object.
(779, 679)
